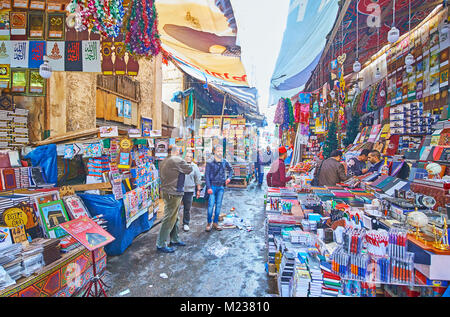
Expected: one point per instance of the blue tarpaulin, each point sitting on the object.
(45, 157)
(114, 213)
(309, 22)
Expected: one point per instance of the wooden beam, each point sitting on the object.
(68, 136)
(83, 187)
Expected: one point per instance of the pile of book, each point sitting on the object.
(302, 237)
(50, 249)
(68, 244)
(272, 249)
(277, 222)
(13, 128)
(286, 274)
(11, 260)
(331, 282)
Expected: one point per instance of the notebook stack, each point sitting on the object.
(272, 249)
(5, 279)
(277, 222)
(302, 237)
(302, 278)
(331, 282)
(68, 244)
(11, 260)
(315, 289)
(51, 249)
(32, 259)
(286, 273)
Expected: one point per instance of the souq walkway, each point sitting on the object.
(224, 263)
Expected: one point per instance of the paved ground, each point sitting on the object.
(194, 270)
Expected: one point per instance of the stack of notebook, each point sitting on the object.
(286, 274)
(315, 289)
(276, 223)
(302, 278)
(331, 281)
(272, 249)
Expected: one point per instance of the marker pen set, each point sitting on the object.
(340, 262)
(403, 269)
(279, 205)
(397, 243)
(379, 270)
(353, 240)
(358, 266)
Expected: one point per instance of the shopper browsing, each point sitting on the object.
(192, 185)
(331, 171)
(216, 180)
(356, 165)
(172, 174)
(377, 162)
(277, 174)
(266, 156)
(259, 169)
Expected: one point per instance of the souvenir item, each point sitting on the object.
(75, 207)
(52, 215)
(55, 26)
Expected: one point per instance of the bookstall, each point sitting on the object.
(239, 140)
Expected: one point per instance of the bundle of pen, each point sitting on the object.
(100, 221)
(340, 262)
(353, 238)
(397, 243)
(402, 270)
(379, 270)
(358, 266)
(274, 204)
(377, 242)
(286, 207)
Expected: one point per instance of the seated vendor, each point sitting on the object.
(377, 162)
(356, 165)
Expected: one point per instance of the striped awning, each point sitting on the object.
(247, 95)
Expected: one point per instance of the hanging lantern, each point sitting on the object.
(356, 66)
(377, 74)
(45, 70)
(393, 35)
(409, 59)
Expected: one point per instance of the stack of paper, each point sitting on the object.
(302, 237)
(5, 279)
(11, 260)
(68, 244)
(302, 279)
(32, 259)
(315, 289)
(286, 273)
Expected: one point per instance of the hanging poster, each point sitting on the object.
(36, 82)
(55, 54)
(119, 106)
(5, 52)
(5, 76)
(36, 54)
(127, 109)
(73, 56)
(87, 232)
(136, 203)
(91, 56)
(55, 26)
(19, 54)
(146, 126)
(19, 80)
(36, 22)
(4, 24)
(18, 23)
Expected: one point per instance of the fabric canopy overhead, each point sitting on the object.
(247, 95)
(308, 23)
(200, 36)
(372, 32)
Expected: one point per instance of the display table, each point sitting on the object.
(62, 278)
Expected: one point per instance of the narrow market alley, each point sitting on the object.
(223, 263)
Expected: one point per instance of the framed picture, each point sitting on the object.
(75, 207)
(53, 214)
(36, 84)
(146, 126)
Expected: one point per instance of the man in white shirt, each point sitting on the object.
(191, 183)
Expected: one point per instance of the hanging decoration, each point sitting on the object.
(141, 29)
(102, 16)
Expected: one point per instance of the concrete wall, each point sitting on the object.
(172, 81)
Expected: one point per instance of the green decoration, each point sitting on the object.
(331, 143)
(352, 130)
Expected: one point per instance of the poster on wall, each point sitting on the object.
(146, 126)
(127, 109)
(19, 54)
(161, 148)
(91, 56)
(55, 54)
(119, 106)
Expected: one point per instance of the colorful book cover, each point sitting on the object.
(75, 207)
(88, 233)
(52, 215)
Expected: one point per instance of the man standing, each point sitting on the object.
(277, 174)
(172, 173)
(259, 169)
(331, 170)
(377, 162)
(192, 182)
(356, 165)
(216, 180)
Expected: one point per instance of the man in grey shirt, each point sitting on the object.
(191, 183)
(172, 173)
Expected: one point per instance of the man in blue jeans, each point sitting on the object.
(216, 180)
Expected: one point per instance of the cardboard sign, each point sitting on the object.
(88, 233)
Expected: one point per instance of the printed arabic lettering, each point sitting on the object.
(19, 51)
(91, 52)
(73, 52)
